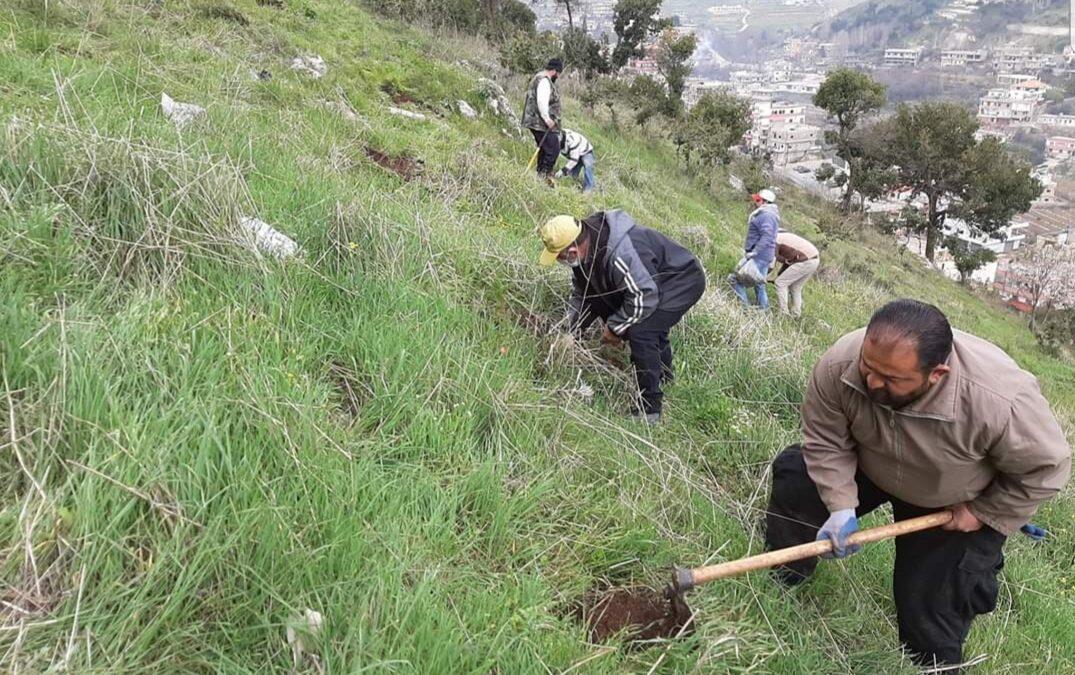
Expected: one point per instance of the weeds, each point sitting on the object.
(201, 446)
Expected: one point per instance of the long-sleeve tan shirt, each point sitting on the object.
(984, 434)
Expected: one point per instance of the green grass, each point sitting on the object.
(200, 443)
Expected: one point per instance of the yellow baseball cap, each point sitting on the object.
(557, 234)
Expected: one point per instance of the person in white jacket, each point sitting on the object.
(580, 158)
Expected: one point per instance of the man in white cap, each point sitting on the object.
(760, 246)
(638, 281)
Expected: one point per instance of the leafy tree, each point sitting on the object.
(716, 123)
(633, 21)
(848, 95)
(967, 258)
(825, 172)
(932, 145)
(999, 186)
(608, 91)
(648, 98)
(515, 16)
(583, 53)
(868, 146)
(526, 53)
(674, 63)
(752, 173)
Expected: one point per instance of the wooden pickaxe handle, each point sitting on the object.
(685, 579)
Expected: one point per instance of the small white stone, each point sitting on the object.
(312, 65)
(406, 113)
(180, 114)
(465, 110)
(267, 239)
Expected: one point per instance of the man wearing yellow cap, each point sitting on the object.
(637, 280)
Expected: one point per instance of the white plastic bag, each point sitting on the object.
(747, 272)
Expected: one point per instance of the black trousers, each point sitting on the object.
(941, 580)
(651, 352)
(548, 143)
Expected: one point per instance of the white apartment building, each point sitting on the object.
(1013, 78)
(962, 57)
(1006, 107)
(1060, 147)
(786, 112)
(1021, 60)
(1059, 120)
(789, 143)
(903, 57)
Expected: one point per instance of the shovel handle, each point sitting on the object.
(685, 579)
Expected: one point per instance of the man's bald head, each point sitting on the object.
(912, 323)
(904, 353)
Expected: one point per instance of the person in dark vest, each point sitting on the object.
(638, 281)
(541, 115)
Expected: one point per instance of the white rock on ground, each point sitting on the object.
(466, 110)
(267, 239)
(406, 113)
(180, 114)
(494, 97)
(313, 65)
(303, 634)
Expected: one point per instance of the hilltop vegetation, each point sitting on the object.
(875, 25)
(201, 443)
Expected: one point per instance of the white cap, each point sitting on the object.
(768, 195)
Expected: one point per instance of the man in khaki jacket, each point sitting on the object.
(911, 413)
(799, 261)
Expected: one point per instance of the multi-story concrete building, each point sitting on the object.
(903, 57)
(786, 112)
(1006, 107)
(789, 143)
(1058, 120)
(1013, 78)
(1034, 88)
(645, 64)
(962, 57)
(1060, 147)
(1021, 60)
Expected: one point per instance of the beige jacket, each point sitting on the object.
(791, 248)
(984, 434)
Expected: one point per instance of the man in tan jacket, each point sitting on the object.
(912, 413)
(799, 261)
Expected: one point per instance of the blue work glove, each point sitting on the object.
(837, 529)
(1034, 532)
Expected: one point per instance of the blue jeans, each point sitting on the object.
(759, 291)
(585, 167)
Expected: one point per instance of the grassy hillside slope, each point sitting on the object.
(200, 443)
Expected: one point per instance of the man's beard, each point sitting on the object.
(574, 262)
(882, 397)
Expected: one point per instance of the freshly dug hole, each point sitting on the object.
(639, 613)
(404, 167)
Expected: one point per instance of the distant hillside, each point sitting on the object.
(879, 24)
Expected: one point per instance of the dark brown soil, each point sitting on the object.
(275, 4)
(404, 167)
(398, 96)
(638, 613)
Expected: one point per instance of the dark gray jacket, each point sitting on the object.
(630, 272)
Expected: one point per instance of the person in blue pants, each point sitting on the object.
(580, 159)
(762, 226)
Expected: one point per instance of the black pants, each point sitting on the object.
(548, 143)
(941, 580)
